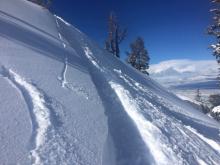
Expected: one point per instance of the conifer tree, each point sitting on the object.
(198, 96)
(214, 100)
(138, 57)
(214, 30)
(115, 36)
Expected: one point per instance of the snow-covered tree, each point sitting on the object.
(115, 36)
(214, 100)
(138, 57)
(215, 106)
(214, 30)
(202, 102)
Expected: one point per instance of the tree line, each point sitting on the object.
(138, 56)
(214, 30)
(213, 100)
(208, 103)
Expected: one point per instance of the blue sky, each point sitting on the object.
(172, 29)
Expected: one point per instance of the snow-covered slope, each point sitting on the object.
(186, 74)
(66, 101)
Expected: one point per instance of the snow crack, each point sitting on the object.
(63, 76)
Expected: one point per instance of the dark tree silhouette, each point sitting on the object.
(115, 36)
(138, 57)
(198, 96)
(214, 100)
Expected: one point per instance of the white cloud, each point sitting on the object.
(184, 71)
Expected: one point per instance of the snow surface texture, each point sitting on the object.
(77, 104)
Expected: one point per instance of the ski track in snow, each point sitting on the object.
(40, 111)
(48, 145)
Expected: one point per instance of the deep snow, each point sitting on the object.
(64, 100)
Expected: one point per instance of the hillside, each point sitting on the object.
(64, 100)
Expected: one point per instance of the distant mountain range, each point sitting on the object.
(186, 74)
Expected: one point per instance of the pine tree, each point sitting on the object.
(198, 96)
(138, 57)
(115, 36)
(214, 100)
(214, 30)
(202, 103)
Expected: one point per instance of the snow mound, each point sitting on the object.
(67, 101)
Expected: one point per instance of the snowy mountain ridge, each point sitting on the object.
(185, 65)
(173, 73)
(64, 100)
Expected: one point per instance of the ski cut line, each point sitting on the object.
(34, 99)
